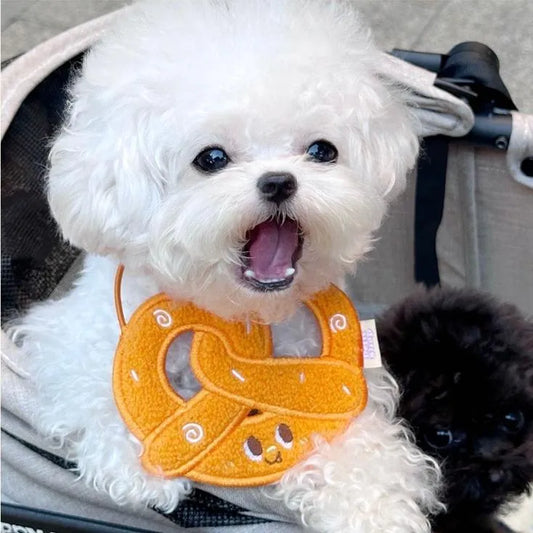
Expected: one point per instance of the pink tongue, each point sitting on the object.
(272, 246)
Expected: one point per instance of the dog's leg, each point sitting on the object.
(373, 479)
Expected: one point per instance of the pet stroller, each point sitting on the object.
(465, 219)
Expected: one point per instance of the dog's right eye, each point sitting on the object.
(211, 159)
(322, 152)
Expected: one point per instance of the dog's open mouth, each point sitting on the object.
(270, 255)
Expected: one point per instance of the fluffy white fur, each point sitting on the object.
(263, 79)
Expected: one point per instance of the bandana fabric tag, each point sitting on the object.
(371, 351)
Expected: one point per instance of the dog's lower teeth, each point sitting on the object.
(251, 275)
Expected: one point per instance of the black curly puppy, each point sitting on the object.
(465, 366)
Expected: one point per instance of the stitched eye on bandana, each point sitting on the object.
(322, 152)
(284, 436)
(253, 449)
(211, 159)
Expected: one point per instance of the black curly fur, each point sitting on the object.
(465, 366)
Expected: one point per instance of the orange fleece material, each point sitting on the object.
(256, 413)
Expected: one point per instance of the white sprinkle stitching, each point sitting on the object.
(338, 322)
(237, 375)
(346, 390)
(134, 375)
(162, 318)
(193, 432)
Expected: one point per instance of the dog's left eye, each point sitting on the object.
(322, 152)
(512, 422)
(211, 159)
(439, 438)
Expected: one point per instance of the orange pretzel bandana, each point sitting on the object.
(254, 416)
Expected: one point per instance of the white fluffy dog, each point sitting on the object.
(238, 154)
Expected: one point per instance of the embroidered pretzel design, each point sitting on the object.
(255, 414)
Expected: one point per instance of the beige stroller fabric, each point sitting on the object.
(485, 240)
(21, 76)
(486, 236)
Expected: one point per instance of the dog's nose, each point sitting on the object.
(277, 187)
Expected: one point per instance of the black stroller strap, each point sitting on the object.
(200, 509)
(56, 459)
(470, 71)
(429, 207)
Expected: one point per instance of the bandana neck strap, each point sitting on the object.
(118, 297)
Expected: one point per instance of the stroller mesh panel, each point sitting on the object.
(34, 257)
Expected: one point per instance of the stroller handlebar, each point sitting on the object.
(470, 71)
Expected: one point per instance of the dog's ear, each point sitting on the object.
(104, 180)
(397, 146)
(390, 144)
